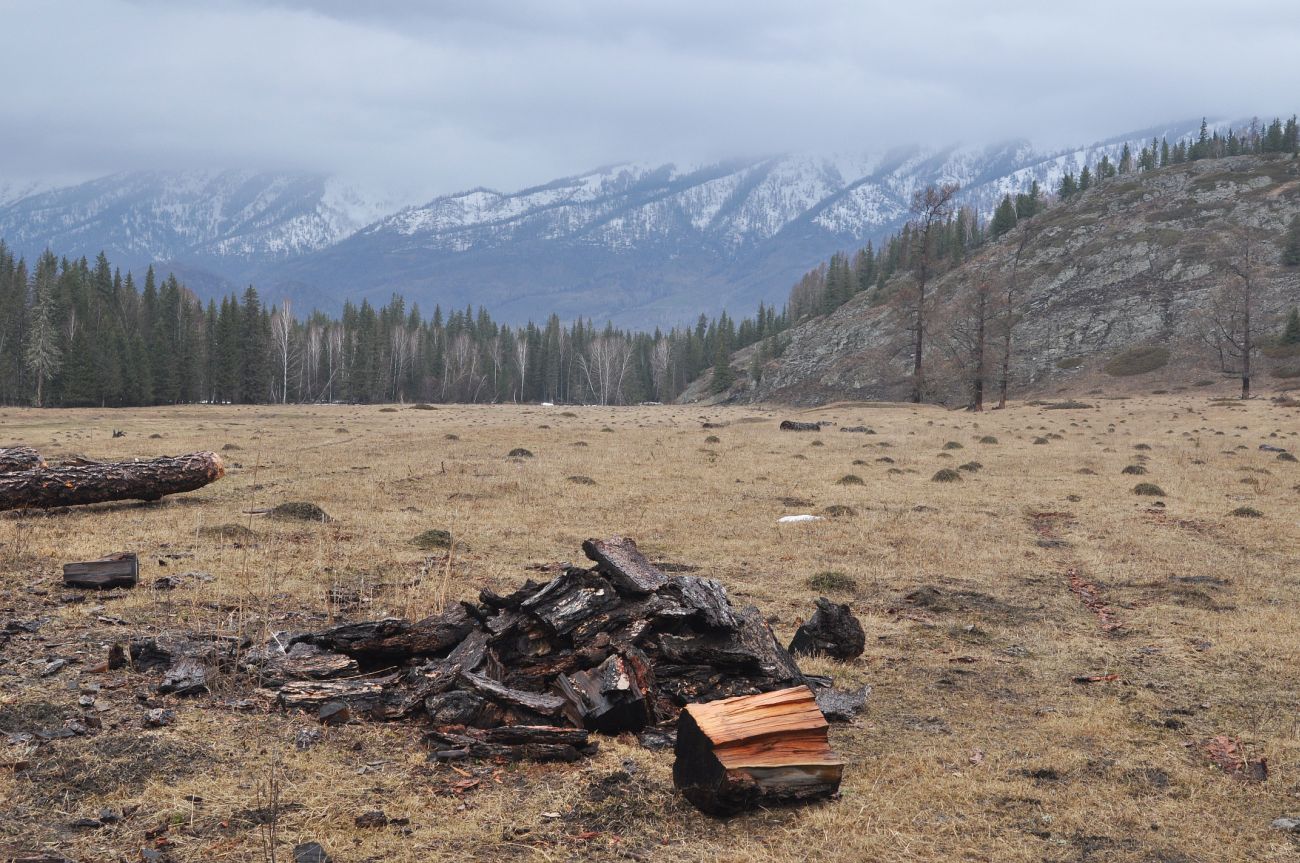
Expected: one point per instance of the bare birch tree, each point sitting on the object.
(930, 210)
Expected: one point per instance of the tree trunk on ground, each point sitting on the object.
(754, 750)
(97, 483)
(20, 458)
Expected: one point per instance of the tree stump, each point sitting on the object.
(832, 630)
(755, 750)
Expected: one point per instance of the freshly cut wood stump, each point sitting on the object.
(65, 485)
(755, 750)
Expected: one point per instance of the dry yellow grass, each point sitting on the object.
(977, 745)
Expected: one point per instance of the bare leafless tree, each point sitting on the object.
(604, 365)
(968, 330)
(930, 209)
(282, 337)
(1231, 317)
(1011, 311)
(660, 361)
(521, 362)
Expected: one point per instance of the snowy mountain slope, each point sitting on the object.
(231, 218)
(642, 244)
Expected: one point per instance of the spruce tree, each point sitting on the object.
(1004, 218)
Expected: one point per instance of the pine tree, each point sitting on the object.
(1291, 243)
(1085, 179)
(1069, 187)
(1004, 218)
(1291, 332)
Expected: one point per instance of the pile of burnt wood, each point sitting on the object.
(618, 647)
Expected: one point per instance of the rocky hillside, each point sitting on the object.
(1126, 287)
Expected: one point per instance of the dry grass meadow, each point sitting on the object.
(978, 745)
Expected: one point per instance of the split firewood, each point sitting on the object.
(759, 750)
(115, 570)
(63, 485)
(19, 458)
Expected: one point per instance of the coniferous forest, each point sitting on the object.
(76, 333)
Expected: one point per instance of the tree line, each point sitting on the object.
(76, 333)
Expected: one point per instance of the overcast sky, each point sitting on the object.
(441, 96)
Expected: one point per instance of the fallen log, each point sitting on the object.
(757, 750)
(43, 488)
(115, 570)
(18, 458)
(795, 425)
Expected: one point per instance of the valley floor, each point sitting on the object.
(984, 601)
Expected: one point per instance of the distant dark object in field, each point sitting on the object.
(988, 438)
(970, 466)
(831, 582)
(101, 482)
(388, 410)
(581, 480)
(451, 437)
(1041, 440)
(714, 425)
(713, 439)
(431, 539)
(519, 452)
(795, 502)
(1134, 470)
(422, 406)
(1285, 456)
(1148, 489)
(299, 510)
(118, 433)
(832, 630)
(792, 425)
(1067, 405)
(946, 475)
(952, 444)
(236, 533)
(231, 447)
(850, 479)
(1086, 471)
(857, 429)
(115, 570)
(1247, 512)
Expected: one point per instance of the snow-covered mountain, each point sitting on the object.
(641, 244)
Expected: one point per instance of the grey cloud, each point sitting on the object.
(444, 95)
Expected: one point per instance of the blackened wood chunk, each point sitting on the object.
(614, 697)
(449, 745)
(453, 708)
(471, 653)
(360, 695)
(837, 705)
(147, 655)
(624, 565)
(395, 639)
(757, 750)
(514, 735)
(64, 485)
(832, 630)
(510, 600)
(705, 598)
(115, 570)
(751, 649)
(570, 599)
(16, 458)
(186, 677)
(303, 661)
(795, 425)
(537, 702)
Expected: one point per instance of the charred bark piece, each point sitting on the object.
(360, 695)
(514, 735)
(511, 600)
(757, 750)
(832, 630)
(537, 702)
(838, 705)
(115, 570)
(303, 661)
(18, 458)
(704, 598)
(449, 745)
(570, 599)
(624, 565)
(454, 708)
(186, 677)
(395, 639)
(613, 697)
(751, 647)
(43, 488)
(795, 425)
